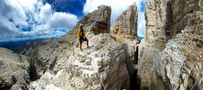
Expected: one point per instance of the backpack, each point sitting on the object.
(80, 33)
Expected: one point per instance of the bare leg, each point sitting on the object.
(87, 43)
(80, 46)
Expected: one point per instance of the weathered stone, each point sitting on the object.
(7, 79)
(176, 65)
(182, 59)
(125, 25)
(186, 13)
(13, 70)
(149, 69)
(106, 66)
(94, 23)
(97, 21)
(156, 22)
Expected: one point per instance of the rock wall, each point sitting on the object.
(153, 44)
(182, 60)
(125, 25)
(186, 13)
(175, 61)
(97, 21)
(124, 30)
(155, 16)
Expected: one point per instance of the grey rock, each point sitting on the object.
(13, 70)
(125, 25)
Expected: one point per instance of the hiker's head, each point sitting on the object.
(81, 25)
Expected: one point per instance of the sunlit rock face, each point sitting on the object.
(174, 61)
(125, 25)
(155, 17)
(14, 72)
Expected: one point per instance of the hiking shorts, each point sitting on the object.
(83, 38)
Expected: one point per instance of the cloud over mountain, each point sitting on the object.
(30, 19)
(23, 19)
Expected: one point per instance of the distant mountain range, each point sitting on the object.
(19, 46)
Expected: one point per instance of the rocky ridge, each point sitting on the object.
(125, 25)
(102, 66)
(169, 58)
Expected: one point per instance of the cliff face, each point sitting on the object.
(186, 13)
(97, 21)
(124, 30)
(153, 44)
(176, 63)
(182, 57)
(155, 22)
(182, 61)
(125, 25)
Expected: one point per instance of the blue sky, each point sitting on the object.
(32, 19)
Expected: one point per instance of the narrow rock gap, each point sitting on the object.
(134, 81)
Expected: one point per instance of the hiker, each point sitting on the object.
(81, 36)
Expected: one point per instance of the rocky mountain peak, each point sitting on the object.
(125, 25)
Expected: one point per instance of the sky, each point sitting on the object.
(33, 19)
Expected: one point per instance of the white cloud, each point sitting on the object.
(65, 20)
(10, 16)
(26, 4)
(117, 6)
(44, 22)
(45, 13)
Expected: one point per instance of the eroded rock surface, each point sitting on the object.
(125, 25)
(93, 23)
(13, 71)
(102, 66)
(172, 63)
(155, 16)
(187, 13)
